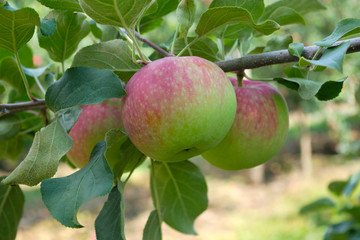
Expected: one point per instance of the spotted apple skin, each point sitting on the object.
(91, 127)
(178, 107)
(259, 130)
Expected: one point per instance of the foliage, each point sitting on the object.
(344, 205)
(90, 49)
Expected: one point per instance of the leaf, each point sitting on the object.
(181, 191)
(337, 187)
(300, 6)
(320, 204)
(330, 89)
(351, 184)
(49, 145)
(5, 54)
(215, 18)
(12, 202)
(68, 117)
(71, 28)
(109, 224)
(154, 20)
(115, 12)
(64, 196)
(296, 49)
(186, 15)
(82, 86)
(35, 72)
(204, 48)
(278, 43)
(339, 231)
(344, 28)
(70, 5)
(9, 72)
(10, 125)
(306, 88)
(12, 149)
(121, 153)
(17, 27)
(152, 230)
(114, 55)
(332, 57)
(286, 16)
(47, 26)
(95, 30)
(255, 7)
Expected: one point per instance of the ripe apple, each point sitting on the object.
(259, 130)
(178, 107)
(91, 127)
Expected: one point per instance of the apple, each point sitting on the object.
(91, 127)
(178, 107)
(259, 130)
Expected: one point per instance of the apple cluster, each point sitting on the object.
(180, 107)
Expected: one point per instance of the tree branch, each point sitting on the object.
(153, 45)
(233, 65)
(21, 106)
(277, 57)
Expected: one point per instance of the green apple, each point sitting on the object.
(178, 107)
(259, 130)
(91, 127)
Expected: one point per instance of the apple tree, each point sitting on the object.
(109, 94)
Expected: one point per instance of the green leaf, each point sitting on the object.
(186, 15)
(278, 43)
(215, 18)
(121, 153)
(12, 149)
(300, 6)
(95, 30)
(68, 117)
(10, 125)
(255, 7)
(110, 222)
(330, 90)
(115, 12)
(154, 20)
(47, 26)
(181, 191)
(50, 144)
(9, 72)
(82, 86)
(332, 57)
(152, 230)
(35, 72)
(70, 5)
(344, 28)
(12, 202)
(114, 55)
(64, 196)
(320, 204)
(71, 28)
(17, 27)
(351, 184)
(306, 88)
(296, 49)
(286, 16)
(337, 187)
(5, 54)
(204, 48)
(2, 89)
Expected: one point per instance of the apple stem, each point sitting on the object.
(240, 75)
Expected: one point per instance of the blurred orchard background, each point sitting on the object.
(323, 145)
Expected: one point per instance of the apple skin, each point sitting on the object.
(259, 130)
(178, 107)
(91, 127)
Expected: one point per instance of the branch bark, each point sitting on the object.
(276, 57)
(21, 106)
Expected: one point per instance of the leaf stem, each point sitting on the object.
(39, 85)
(187, 46)
(23, 76)
(63, 67)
